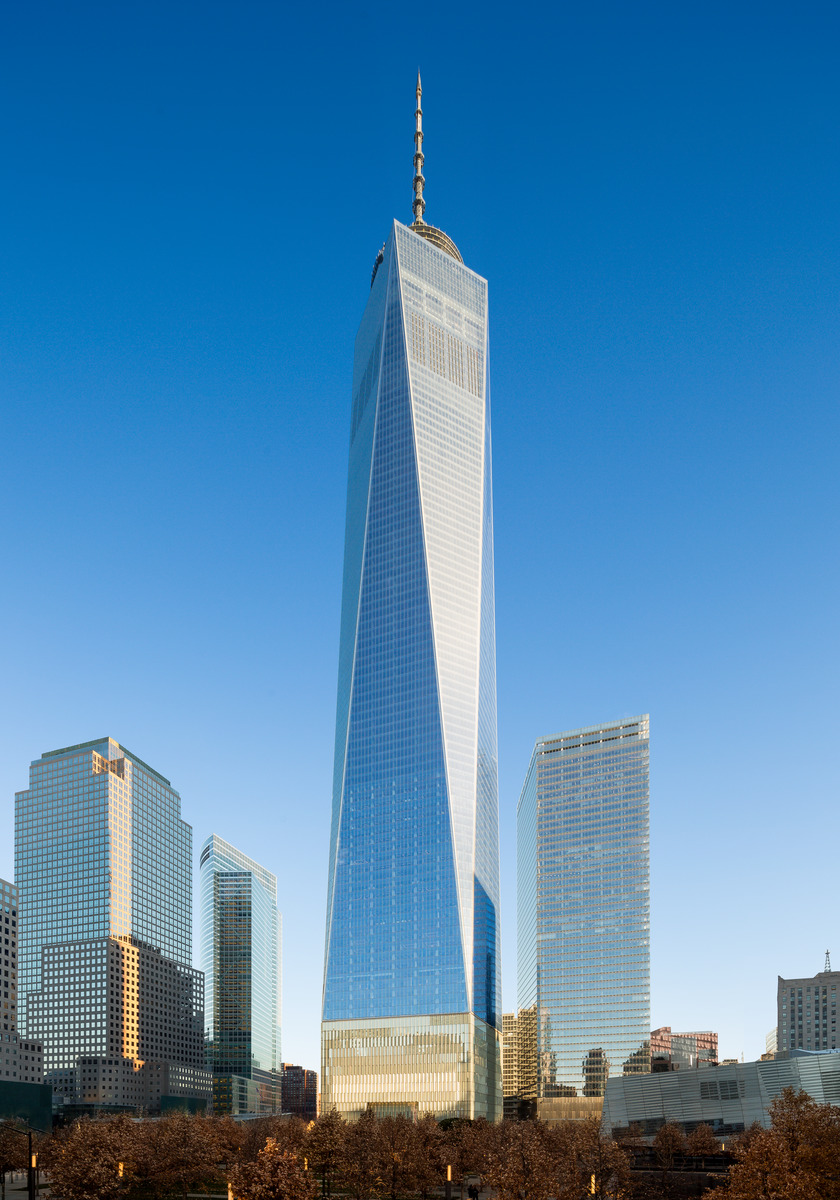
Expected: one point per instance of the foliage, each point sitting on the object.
(701, 1141)
(276, 1174)
(361, 1158)
(83, 1161)
(324, 1147)
(797, 1158)
(13, 1151)
(176, 1153)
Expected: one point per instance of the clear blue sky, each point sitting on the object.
(193, 196)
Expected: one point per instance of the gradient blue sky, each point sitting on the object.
(193, 197)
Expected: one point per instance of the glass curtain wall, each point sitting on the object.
(584, 916)
(412, 947)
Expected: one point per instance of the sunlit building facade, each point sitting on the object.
(240, 956)
(104, 869)
(583, 912)
(411, 1013)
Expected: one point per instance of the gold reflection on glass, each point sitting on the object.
(448, 1065)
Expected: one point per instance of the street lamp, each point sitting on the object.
(32, 1161)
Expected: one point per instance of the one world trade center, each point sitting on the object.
(411, 1004)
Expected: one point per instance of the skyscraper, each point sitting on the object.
(104, 869)
(411, 1015)
(240, 956)
(583, 914)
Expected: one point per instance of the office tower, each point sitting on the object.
(104, 867)
(240, 957)
(300, 1091)
(411, 1018)
(679, 1051)
(806, 1011)
(21, 1059)
(583, 915)
(510, 1065)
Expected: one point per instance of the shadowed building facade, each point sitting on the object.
(240, 954)
(583, 915)
(411, 1015)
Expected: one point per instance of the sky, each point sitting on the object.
(193, 197)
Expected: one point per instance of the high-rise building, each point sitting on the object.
(104, 868)
(300, 1091)
(411, 1012)
(510, 1065)
(240, 957)
(679, 1051)
(583, 914)
(21, 1059)
(806, 1016)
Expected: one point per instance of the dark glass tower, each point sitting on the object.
(240, 952)
(411, 1013)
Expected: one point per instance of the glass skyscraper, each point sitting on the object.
(240, 956)
(411, 1012)
(583, 912)
(104, 869)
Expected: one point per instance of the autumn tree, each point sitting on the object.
(83, 1162)
(404, 1169)
(361, 1164)
(522, 1163)
(431, 1155)
(797, 1158)
(601, 1166)
(668, 1145)
(13, 1151)
(324, 1145)
(178, 1152)
(702, 1141)
(276, 1174)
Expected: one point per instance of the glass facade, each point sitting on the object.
(104, 868)
(240, 955)
(412, 946)
(583, 912)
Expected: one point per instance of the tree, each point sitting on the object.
(276, 1174)
(668, 1143)
(431, 1154)
(795, 1159)
(361, 1159)
(522, 1163)
(324, 1145)
(702, 1141)
(13, 1151)
(603, 1168)
(83, 1162)
(177, 1152)
(402, 1157)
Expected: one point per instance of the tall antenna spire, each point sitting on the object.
(419, 205)
(827, 961)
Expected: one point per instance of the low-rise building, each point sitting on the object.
(729, 1098)
(679, 1051)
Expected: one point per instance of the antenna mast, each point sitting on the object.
(419, 204)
